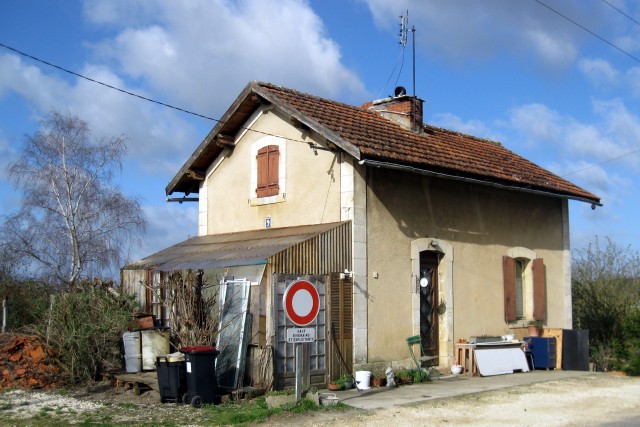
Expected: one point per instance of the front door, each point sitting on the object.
(429, 327)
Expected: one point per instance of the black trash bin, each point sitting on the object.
(201, 375)
(172, 379)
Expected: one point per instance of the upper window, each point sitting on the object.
(268, 162)
(268, 171)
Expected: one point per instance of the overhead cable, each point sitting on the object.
(588, 30)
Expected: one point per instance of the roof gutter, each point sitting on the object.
(387, 165)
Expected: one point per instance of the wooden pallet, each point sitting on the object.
(139, 381)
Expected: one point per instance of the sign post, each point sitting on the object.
(301, 304)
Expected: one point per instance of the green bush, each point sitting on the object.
(84, 328)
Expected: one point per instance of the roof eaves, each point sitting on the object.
(594, 200)
(314, 125)
(184, 170)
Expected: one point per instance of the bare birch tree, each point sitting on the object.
(73, 220)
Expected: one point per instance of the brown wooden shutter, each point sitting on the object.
(340, 297)
(268, 160)
(509, 275)
(539, 294)
(274, 163)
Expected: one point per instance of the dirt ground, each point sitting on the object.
(591, 400)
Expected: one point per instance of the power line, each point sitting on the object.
(164, 104)
(587, 30)
(602, 162)
(622, 12)
(106, 84)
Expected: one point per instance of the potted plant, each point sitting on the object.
(334, 386)
(345, 382)
(420, 376)
(405, 376)
(535, 328)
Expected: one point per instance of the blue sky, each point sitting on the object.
(512, 71)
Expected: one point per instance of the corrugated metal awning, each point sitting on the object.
(230, 249)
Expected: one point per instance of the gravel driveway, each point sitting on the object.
(592, 399)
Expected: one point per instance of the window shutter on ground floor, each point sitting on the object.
(509, 273)
(539, 294)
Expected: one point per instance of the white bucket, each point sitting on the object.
(132, 361)
(155, 342)
(363, 379)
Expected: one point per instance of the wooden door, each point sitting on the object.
(340, 326)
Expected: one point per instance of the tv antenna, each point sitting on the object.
(404, 30)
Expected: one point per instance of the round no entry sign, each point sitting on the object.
(301, 302)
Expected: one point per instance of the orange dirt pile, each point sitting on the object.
(24, 362)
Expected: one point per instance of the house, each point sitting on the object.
(406, 230)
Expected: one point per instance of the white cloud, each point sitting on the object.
(156, 136)
(160, 234)
(470, 127)
(202, 53)
(550, 47)
(599, 71)
(536, 122)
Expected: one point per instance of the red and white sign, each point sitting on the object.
(301, 302)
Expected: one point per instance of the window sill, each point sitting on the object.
(278, 198)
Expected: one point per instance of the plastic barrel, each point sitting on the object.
(132, 357)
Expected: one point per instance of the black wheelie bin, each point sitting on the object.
(200, 369)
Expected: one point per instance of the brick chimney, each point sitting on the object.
(403, 109)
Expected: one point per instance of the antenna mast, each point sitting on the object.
(413, 39)
(404, 29)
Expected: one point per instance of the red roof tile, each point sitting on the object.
(436, 150)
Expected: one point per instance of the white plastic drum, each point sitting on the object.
(155, 342)
(132, 357)
(363, 380)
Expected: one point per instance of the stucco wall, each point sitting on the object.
(479, 224)
(311, 187)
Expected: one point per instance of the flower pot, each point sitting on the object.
(333, 386)
(378, 381)
(533, 331)
(456, 369)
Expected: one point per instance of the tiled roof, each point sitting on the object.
(437, 150)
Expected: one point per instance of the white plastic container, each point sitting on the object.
(155, 342)
(132, 358)
(363, 380)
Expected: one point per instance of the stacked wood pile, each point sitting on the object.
(24, 362)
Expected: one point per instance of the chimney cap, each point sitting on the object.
(399, 91)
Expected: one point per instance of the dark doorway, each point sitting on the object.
(429, 325)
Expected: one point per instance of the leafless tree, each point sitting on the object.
(73, 220)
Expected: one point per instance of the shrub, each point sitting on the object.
(84, 328)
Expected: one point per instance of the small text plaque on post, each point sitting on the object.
(299, 335)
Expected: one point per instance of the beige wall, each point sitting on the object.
(478, 225)
(312, 182)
